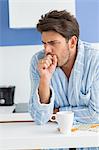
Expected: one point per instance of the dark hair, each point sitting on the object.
(60, 21)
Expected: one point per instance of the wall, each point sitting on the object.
(14, 69)
(10, 37)
(18, 45)
(87, 12)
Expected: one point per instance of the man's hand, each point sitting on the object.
(46, 67)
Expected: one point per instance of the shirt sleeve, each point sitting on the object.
(40, 112)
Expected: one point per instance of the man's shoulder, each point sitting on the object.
(37, 56)
(90, 49)
(91, 54)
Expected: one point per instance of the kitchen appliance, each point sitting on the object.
(7, 95)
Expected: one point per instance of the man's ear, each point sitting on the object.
(72, 42)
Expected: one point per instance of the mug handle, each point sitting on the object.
(53, 118)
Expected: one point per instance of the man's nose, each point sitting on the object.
(48, 48)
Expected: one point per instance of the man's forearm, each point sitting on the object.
(44, 91)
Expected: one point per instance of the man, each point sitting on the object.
(65, 75)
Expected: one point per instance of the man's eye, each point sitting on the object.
(53, 43)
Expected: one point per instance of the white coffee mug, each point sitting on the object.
(64, 120)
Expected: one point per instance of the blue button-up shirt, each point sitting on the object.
(80, 93)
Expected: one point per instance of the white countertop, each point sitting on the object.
(15, 117)
(28, 135)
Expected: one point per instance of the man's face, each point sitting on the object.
(55, 44)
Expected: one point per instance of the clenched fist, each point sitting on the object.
(46, 66)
